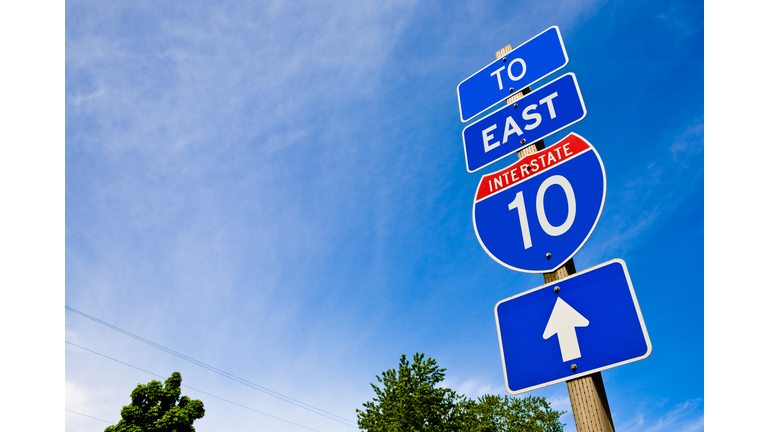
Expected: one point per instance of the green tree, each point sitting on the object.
(491, 413)
(158, 408)
(411, 401)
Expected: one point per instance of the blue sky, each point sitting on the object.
(278, 190)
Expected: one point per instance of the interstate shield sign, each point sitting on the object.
(535, 214)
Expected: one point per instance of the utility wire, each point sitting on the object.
(189, 387)
(75, 412)
(114, 359)
(272, 393)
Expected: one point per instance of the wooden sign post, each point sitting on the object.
(589, 403)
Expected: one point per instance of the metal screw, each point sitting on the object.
(515, 106)
(504, 59)
(522, 141)
(573, 367)
(511, 89)
(557, 289)
(549, 255)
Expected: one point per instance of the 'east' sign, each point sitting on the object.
(535, 116)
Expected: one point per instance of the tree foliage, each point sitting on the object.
(158, 408)
(491, 413)
(411, 401)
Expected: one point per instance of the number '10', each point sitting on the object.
(519, 204)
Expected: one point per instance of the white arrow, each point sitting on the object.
(563, 321)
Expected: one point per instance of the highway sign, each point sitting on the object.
(585, 323)
(536, 115)
(535, 214)
(526, 64)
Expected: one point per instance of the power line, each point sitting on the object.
(189, 387)
(272, 393)
(75, 412)
(114, 359)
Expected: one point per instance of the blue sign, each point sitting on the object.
(576, 326)
(536, 115)
(526, 64)
(535, 214)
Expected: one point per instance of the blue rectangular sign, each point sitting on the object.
(576, 326)
(535, 116)
(526, 64)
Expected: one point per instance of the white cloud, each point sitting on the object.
(685, 416)
(81, 99)
(679, 21)
(560, 403)
(688, 144)
(89, 401)
(652, 196)
(207, 187)
(472, 387)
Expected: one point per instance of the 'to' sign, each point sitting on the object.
(531, 61)
(535, 214)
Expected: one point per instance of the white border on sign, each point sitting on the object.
(599, 213)
(583, 107)
(590, 371)
(562, 46)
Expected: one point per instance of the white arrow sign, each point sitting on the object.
(563, 321)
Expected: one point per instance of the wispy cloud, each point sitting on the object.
(472, 387)
(560, 403)
(680, 20)
(655, 194)
(688, 145)
(267, 187)
(685, 416)
(79, 99)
